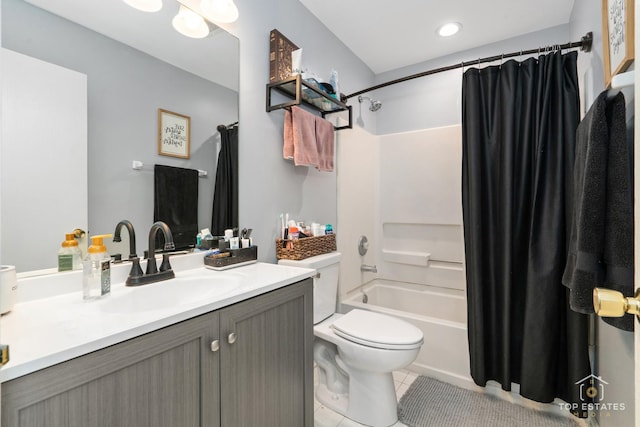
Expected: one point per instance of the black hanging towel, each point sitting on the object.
(175, 202)
(225, 196)
(601, 245)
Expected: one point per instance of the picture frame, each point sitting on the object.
(617, 36)
(174, 134)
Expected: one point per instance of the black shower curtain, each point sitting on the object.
(519, 125)
(225, 196)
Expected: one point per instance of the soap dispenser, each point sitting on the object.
(69, 255)
(96, 279)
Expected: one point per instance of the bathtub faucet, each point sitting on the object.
(369, 268)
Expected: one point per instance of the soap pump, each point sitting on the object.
(96, 279)
(69, 255)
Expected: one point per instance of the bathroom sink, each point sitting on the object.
(184, 290)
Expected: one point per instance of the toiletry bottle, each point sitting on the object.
(334, 82)
(328, 229)
(96, 279)
(69, 255)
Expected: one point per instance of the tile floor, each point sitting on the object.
(325, 417)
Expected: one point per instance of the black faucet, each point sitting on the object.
(152, 274)
(132, 237)
(168, 246)
(136, 271)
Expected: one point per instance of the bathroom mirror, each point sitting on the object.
(135, 64)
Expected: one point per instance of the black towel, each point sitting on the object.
(618, 242)
(176, 202)
(601, 239)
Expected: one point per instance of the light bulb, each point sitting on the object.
(190, 24)
(145, 5)
(222, 11)
(448, 29)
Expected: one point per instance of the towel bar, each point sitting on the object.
(138, 165)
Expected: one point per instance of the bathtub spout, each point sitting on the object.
(369, 268)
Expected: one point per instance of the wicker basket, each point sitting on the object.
(306, 247)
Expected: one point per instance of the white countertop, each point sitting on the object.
(46, 331)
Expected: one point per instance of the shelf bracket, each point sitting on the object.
(300, 92)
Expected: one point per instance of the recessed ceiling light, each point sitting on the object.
(448, 29)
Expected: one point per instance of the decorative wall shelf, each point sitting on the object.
(303, 93)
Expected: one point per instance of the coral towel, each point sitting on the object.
(300, 137)
(308, 140)
(325, 141)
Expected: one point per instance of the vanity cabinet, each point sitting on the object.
(249, 364)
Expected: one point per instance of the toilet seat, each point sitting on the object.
(377, 330)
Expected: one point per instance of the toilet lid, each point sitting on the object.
(377, 330)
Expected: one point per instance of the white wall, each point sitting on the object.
(435, 100)
(420, 203)
(36, 91)
(358, 213)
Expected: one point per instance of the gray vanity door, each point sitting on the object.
(166, 378)
(267, 360)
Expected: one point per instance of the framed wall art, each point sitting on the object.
(174, 134)
(617, 36)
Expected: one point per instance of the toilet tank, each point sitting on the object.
(325, 283)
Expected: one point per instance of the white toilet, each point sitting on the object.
(357, 352)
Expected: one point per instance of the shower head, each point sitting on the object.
(375, 105)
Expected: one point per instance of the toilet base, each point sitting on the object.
(378, 409)
(334, 401)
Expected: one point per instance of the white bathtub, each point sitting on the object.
(440, 313)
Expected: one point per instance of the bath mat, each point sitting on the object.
(432, 403)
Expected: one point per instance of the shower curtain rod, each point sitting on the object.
(584, 44)
(223, 127)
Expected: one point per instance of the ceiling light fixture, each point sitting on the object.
(222, 11)
(145, 5)
(448, 29)
(190, 24)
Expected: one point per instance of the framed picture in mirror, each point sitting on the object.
(617, 36)
(174, 134)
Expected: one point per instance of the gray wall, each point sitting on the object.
(125, 89)
(270, 185)
(614, 348)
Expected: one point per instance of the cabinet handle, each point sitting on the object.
(232, 338)
(215, 345)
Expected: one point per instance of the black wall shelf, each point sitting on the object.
(303, 93)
